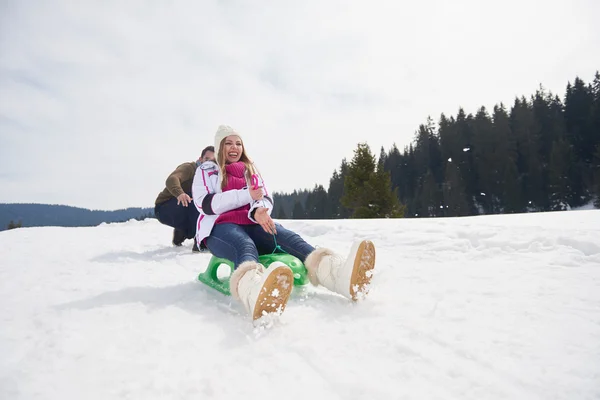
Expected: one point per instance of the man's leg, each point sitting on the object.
(176, 216)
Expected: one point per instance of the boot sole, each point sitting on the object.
(275, 292)
(364, 262)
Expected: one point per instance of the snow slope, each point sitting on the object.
(492, 307)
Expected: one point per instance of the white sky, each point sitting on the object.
(101, 100)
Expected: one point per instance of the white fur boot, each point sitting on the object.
(262, 290)
(349, 277)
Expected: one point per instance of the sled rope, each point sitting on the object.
(277, 247)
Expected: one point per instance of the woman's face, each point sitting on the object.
(232, 149)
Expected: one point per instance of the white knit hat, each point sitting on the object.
(222, 133)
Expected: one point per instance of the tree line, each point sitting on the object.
(14, 215)
(540, 154)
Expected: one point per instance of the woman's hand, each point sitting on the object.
(256, 194)
(264, 219)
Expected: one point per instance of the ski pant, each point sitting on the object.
(240, 243)
(178, 216)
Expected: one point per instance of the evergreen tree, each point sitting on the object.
(561, 160)
(506, 180)
(367, 188)
(298, 211)
(549, 116)
(357, 194)
(382, 158)
(317, 205)
(394, 163)
(595, 117)
(284, 202)
(487, 166)
(455, 202)
(512, 188)
(387, 203)
(529, 166)
(452, 145)
(281, 214)
(14, 225)
(336, 192)
(597, 177)
(403, 175)
(429, 202)
(579, 102)
(464, 131)
(578, 120)
(412, 181)
(449, 145)
(428, 155)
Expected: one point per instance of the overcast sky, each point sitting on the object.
(101, 100)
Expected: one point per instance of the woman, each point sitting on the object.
(235, 223)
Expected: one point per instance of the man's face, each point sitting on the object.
(209, 156)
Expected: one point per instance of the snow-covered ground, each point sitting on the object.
(492, 307)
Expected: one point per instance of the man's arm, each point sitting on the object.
(182, 173)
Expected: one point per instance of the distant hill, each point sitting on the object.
(58, 215)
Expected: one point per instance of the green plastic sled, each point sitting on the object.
(210, 278)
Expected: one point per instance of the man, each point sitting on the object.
(174, 205)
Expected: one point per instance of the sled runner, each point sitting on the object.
(210, 278)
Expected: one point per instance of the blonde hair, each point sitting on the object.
(222, 161)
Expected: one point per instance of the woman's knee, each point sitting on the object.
(232, 240)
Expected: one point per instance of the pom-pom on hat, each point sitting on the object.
(222, 133)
